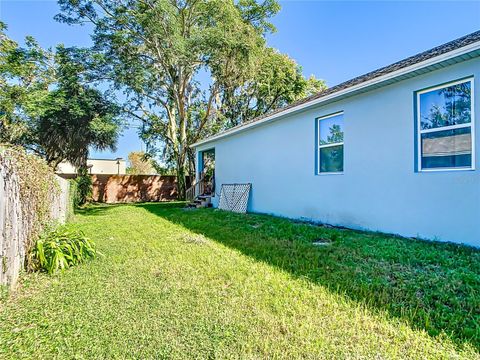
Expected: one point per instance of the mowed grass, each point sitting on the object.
(209, 284)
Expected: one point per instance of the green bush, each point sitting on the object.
(72, 198)
(83, 188)
(60, 248)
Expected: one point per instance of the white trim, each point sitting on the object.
(446, 128)
(415, 67)
(330, 145)
(322, 146)
(444, 85)
(330, 173)
(447, 169)
(341, 112)
(470, 125)
(472, 100)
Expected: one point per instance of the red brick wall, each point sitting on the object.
(133, 188)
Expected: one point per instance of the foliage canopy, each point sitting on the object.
(140, 164)
(189, 68)
(48, 105)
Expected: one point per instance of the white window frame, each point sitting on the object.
(320, 146)
(470, 125)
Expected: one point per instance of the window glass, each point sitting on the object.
(447, 149)
(331, 159)
(330, 144)
(447, 106)
(331, 130)
(445, 127)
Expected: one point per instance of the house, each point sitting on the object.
(393, 150)
(116, 166)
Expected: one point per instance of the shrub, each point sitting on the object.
(83, 188)
(61, 247)
(72, 198)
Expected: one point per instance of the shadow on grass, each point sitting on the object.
(431, 285)
(93, 209)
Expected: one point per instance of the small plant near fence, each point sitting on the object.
(61, 247)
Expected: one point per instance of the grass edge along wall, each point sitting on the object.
(382, 186)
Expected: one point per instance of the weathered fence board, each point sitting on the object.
(17, 218)
(61, 201)
(12, 233)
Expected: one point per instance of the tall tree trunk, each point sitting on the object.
(183, 148)
(181, 172)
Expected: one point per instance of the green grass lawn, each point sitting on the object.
(209, 284)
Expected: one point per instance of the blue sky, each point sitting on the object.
(334, 40)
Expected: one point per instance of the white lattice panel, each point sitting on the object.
(234, 197)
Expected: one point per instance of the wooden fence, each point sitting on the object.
(18, 218)
(133, 188)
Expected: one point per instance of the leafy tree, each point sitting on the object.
(276, 81)
(189, 68)
(48, 106)
(162, 169)
(25, 76)
(75, 117)
(140, 164)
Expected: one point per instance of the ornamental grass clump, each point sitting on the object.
(60, 248)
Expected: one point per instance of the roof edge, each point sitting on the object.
(354, 88)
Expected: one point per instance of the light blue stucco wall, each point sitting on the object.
(380, 188)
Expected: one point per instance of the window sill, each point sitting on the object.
(330, 173)
(445, 170)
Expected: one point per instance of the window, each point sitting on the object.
(445, 127)
(330, 144)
